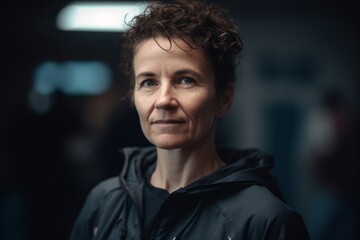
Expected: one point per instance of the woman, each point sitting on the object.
(181, 62)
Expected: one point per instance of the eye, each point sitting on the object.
(186, 80)
(148, 83)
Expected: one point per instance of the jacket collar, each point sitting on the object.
(243, 167)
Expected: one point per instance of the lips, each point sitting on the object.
(168, 121)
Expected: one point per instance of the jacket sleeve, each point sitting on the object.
(276, 223)
(84, 224)
(286, 226)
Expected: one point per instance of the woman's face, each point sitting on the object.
(174, 93)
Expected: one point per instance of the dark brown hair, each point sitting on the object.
(198, 24)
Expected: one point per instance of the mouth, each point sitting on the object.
(169, 121)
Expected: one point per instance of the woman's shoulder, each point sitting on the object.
(257, 209)
(106, 186)
(253, 201)
(107, 190)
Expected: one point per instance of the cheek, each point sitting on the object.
(140, 108)
(203, 110)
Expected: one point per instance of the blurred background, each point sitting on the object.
(63, 116)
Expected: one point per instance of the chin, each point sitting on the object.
(169, 143)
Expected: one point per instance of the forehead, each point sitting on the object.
(171, 52)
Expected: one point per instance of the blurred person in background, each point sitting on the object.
(181, 59)
(334, 167)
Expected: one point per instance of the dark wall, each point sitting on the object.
(49, 161)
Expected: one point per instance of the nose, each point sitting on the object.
(166, 98)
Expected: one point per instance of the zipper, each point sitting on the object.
(157, 218)
(137, 208)
(165, 205)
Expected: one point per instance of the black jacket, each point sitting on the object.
(238, 201)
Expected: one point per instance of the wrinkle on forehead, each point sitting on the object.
(150, 57)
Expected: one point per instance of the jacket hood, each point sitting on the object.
(243, 168)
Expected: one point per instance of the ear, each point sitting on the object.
(225, 100)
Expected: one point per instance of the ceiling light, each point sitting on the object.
(98, 16)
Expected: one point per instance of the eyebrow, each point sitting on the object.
(187, 71)
(145, 74)
(177, 73)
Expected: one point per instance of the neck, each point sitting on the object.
(177, 168)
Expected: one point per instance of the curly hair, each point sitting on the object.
(198, 24)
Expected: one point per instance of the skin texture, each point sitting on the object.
(176, 100)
